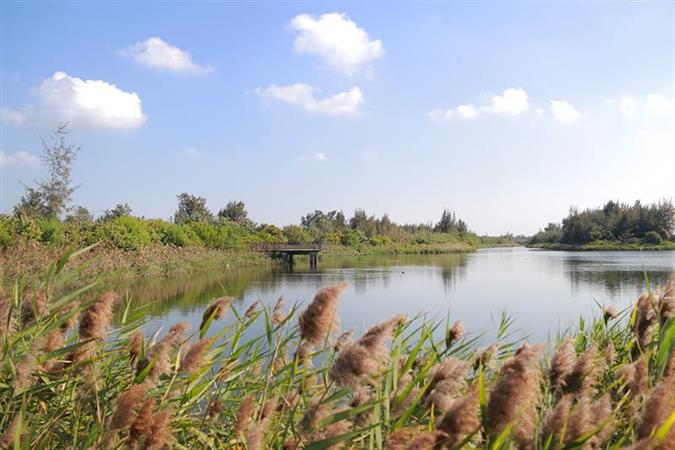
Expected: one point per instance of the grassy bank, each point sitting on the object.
(606, 245)
(108, 262)
(279, 377)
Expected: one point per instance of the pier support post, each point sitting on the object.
(313, 257)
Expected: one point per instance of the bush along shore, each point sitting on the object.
(129, 247)
(614, 226)
(288, 377)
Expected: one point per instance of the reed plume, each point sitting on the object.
(250, 312)
(245, 415)
(515, 396)
(216, 311)
(454, 333)
(562, 365)
(135, 345)
(159, 353)
(583, 375)
(609, 313)
(6, 317)
(666, 303)
(33, 308)
(97, 317)
(310, 424)
(364, 357)
(409, 438)
(343, 341)
(447, 379)
(658, 406)
(255, 438)
(141, 423)
(645, 321)
(24, 377)
(53, 342)
(215, 408)
(9, 437)
(592, 418)
(160, 435)
(461, 419)
(129, 403)
(278, 315)
(484, 356)
(194, 358)
(556, 421)
(320, 318)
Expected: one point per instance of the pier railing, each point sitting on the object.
(286, 247)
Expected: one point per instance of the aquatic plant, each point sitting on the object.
(403, 384)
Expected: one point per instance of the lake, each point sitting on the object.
(544, 291)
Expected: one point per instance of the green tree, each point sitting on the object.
(79, 215)
(120, 210)
(58, 155)
(235, 210)
(191, 208)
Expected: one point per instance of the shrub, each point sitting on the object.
(125, 232)
(175, 234)
(652, 237)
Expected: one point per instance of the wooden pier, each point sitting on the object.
(284, 252)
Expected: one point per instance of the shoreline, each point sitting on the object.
(605, 246)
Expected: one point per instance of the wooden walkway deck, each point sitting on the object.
(284, 251)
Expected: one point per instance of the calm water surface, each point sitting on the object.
(544, 291)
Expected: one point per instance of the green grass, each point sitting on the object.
(90, 391)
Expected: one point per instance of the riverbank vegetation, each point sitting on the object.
(287, 376)
(45, 222)
(614, 226)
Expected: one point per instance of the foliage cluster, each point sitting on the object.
(630, 224)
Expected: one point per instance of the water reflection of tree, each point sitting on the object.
(453, 269)
(160, 295)
(615, 282)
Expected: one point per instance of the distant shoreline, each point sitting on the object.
(605, 245)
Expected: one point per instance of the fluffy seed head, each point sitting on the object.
(365, 356)
(217, 309)
(128, 404)
(461, 419)
(278, 315)
(194, 358)
(645, 321)
(97, 317)
(245, 415)
(454, 333)
(250, 312)
(584, 374)
(447, 378)
(135, 344)
(515, 396)
(320, 318)
(562, 364)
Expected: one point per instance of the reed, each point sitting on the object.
(404, 384)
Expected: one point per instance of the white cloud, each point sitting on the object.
(316, 156)
(83, 103)
(21, 158)
(159, 54)
(305, 96)
(513, 101)
(564, 111)
(441, 115)
(467, 111)
(337, 40)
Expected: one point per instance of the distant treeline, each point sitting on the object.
(193, 224)
(45, 214)
(617, 222)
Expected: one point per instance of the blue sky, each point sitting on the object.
(507, 113)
